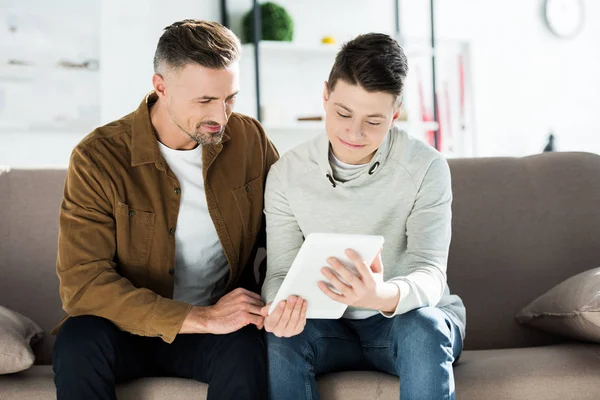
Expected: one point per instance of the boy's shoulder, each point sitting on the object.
(302, 159)
(413, 154)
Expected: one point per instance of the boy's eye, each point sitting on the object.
(343, 115)
(373, 123)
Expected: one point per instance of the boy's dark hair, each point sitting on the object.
(374, 61)
(208, 44)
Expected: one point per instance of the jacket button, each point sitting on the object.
(177, 191)
(172, 231)
(171, 271)
(248, 189)
(131, 213)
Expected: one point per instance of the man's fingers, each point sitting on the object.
(242, 291)
(253, 309)
(255, 319)
(264, 311)
(246, 299)
(253, 301)
(262, 324)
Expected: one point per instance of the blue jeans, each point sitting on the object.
(419, 347)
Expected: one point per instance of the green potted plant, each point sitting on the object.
(277, 24)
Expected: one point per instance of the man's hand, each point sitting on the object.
(365, 288)
(231, 313)
(287, 319)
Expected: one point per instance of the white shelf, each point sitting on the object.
(274, 48)
(293, 127)
(312, 126)
(297, 49)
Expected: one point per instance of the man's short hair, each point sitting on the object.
(208, 44)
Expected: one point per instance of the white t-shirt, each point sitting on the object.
(201, 269)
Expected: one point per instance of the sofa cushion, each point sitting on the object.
(566, 371)
(16, 334)
(557, 372)
(571, 308)
(37, 383)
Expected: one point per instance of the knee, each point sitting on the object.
(80, 339)
(292, 352)
(279, 343)
(424, 329)
(249, 343)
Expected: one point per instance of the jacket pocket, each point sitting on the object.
(249, 201)
(135, 231)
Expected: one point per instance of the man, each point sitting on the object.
(365, 176)
(162, 212)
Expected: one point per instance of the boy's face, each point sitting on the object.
(357, 121)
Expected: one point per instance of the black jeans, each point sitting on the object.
(92, 355)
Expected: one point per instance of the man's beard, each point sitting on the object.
(198, 136)
(206, 138)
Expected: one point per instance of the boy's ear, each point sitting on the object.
(325, 94)
(396, 113)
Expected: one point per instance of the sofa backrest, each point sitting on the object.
(520, 226)
(29, 205)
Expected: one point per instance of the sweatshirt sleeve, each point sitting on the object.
(428, 231)
(284, 237)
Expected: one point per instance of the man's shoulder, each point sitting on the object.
(110, 142)
(118, 130)
(246, 135)
(242, 126)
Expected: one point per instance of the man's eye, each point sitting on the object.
(343, 115)
(373, 123)
(204, 101)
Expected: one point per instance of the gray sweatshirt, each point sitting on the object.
(404, 194)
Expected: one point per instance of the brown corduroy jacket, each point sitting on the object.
(116, 252)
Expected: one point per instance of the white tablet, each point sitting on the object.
(305, 273)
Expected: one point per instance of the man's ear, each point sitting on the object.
(159, 84)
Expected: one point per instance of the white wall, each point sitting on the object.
(525, 80)
(128, 36)
(130, 31)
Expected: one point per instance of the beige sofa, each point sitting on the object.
(520, 227)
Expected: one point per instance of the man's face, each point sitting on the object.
(357, 121)
(200, 100)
